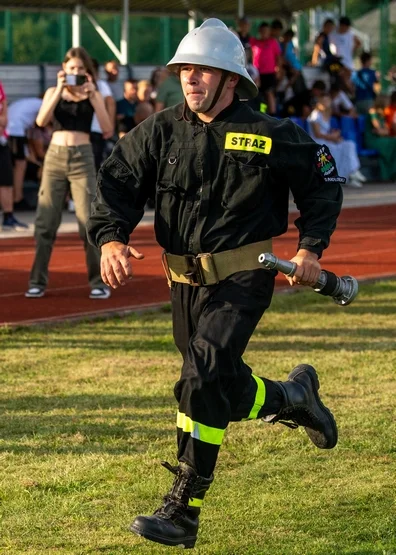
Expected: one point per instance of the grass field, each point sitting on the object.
(87, 414)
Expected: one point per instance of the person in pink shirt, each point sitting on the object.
(266, 58)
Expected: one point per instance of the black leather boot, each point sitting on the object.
(176, 521)
(303, 407)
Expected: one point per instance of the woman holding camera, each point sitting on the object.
(68, 163)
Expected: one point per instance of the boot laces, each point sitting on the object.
(295, 417)
(176, 502)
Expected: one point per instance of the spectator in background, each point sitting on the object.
(243, 31)
(390, 115)
(345, 45)
(251, 68)
(21, 116)
(97, 136)
(266, 58)
(322, 55)
(38, 140)
(341, 104)
(301, 104)
(258, 103)
(169, 92)
(276, 29)
(10, 223)
(144, 90)
(156, 78)
(377, 136)
(112, 70)
(69, 162)
(366, 82)
(142, 112)
(344, 152)
(126, 107)
(291, 64)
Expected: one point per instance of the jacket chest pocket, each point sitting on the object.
(246, 185)
(177, 164)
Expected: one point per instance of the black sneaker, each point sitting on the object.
(35, 292)
(12, 224)
(303, 407)
(100, 293)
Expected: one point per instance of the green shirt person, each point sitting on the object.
(169, 93)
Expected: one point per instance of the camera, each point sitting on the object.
(75, 80)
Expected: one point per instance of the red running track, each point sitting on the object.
(363, 246)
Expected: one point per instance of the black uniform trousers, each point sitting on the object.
(212, 327)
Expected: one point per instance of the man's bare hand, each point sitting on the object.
(115, 267)
(308, 269)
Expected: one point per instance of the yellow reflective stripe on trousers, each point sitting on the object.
(195, 502)
(259, 399)
(200, 431)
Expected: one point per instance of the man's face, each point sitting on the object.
(130, 91)
(199, 84)
(276, 32)
(343, 28)
(244, 27)
(264, 32)
(111, 69)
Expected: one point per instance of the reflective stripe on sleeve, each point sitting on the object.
(207, 434)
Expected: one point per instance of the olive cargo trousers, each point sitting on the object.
(64, 167)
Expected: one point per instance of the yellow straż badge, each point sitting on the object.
(248, 142)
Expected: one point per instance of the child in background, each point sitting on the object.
(366, 84)
(341, 104)
(266, 58)
(344, 152)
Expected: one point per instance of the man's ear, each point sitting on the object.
(234, 79)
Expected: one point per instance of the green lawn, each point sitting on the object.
(87, 414)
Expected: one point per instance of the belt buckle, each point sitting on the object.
(193, 273)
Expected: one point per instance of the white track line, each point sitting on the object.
(74, 287)
(81, 315)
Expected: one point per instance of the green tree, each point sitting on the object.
(34, 39)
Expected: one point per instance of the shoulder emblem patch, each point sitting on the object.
(326, 165)
(248, 142)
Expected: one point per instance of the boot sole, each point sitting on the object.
(187, 543)
(317, 438)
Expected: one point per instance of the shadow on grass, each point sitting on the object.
(349, 338)
(88, 423)
(126, 339)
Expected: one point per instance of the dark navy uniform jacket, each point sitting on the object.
(217, 186)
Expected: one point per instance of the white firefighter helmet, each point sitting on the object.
(214, 45)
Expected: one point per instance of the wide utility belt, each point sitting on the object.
(209, 269)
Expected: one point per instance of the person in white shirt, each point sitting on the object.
(98, 138)
(344, 44)
(21, 116)
(341, 104)
(344, 152)
(112, 70)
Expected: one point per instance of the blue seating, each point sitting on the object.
(360, 127)
(352, 129)
(300, 122)
(349, 129)
(335, 122)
